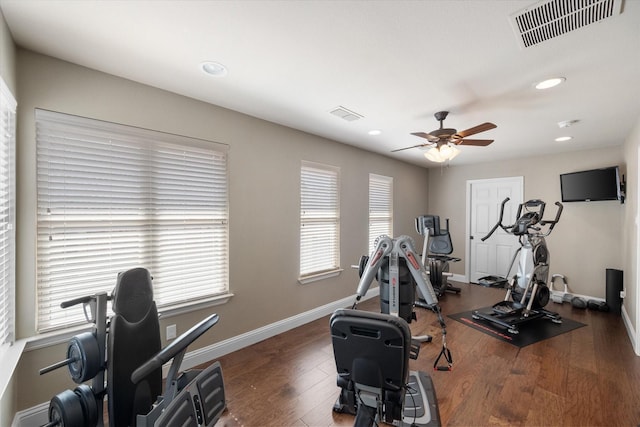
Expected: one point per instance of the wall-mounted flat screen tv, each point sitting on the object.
(591, 185)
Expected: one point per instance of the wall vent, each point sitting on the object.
(548, 19)
(345, 114)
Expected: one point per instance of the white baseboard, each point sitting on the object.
(630, 331)
(37, 415)
(214, 351)
(461, 278)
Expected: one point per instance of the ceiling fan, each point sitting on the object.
(444, 140)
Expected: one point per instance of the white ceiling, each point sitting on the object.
(395, 63)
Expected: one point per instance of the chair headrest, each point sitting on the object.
(133, 295)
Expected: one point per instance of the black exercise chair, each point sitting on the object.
(372, 352)
(436, 252)
(134, 366)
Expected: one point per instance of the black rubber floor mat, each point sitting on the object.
(530, 332)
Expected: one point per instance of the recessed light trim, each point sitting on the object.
(374, 132)
(215, 69)
(563, 138)
(549, 83)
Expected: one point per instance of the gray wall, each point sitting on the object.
(7, 56)
(264, 170)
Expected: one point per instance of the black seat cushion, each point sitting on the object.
(134, 337)
(371, 349)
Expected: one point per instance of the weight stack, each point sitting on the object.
(406, 289)
(614, 286)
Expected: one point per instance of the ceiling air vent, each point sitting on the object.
(548, 19)
(343, 113)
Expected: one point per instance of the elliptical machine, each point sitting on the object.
(527, 292)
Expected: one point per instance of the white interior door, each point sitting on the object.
(493, 256)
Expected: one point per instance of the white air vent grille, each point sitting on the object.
(552, 18)
(345, 114)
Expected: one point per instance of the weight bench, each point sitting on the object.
(133, 364)
(372, 352)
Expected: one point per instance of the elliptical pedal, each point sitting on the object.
(506, 308)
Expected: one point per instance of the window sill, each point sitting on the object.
(63, 336)
(9, 357)
(176, 310)
(320, 276)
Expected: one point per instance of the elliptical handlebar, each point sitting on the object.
(499, 223)
(535, 203)
(553, 222)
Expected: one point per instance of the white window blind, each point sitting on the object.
(319, 219)
(7, 213)
(380, 207)
(113, 197)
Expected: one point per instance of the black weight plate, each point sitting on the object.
(65, 409)
(83, 349)
(89, 404)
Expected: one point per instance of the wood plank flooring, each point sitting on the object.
(587, 377)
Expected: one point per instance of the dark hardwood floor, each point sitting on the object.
(586, 377)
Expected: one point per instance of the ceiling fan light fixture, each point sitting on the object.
(549, 83)
(434, 155)
(442, 154)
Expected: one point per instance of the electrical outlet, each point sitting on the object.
(171, 332)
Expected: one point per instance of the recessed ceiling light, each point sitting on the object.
(375, 132)
(549, 83)
(214, 68)
(563, 138)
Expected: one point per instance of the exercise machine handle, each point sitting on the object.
(76, 301)
(556, 219)
(81, 300)
(170, 351)
(499, 223)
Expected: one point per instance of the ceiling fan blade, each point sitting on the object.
(413, 146)
(430, 138)
(476, 142)
(472, 131)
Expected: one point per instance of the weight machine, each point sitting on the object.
(527, 291)
(127, 347)
(372, 350)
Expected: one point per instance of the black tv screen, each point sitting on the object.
(591, 185)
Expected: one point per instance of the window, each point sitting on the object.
(319, 221)
(380, 207)
(113, 197)
(7, 213)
